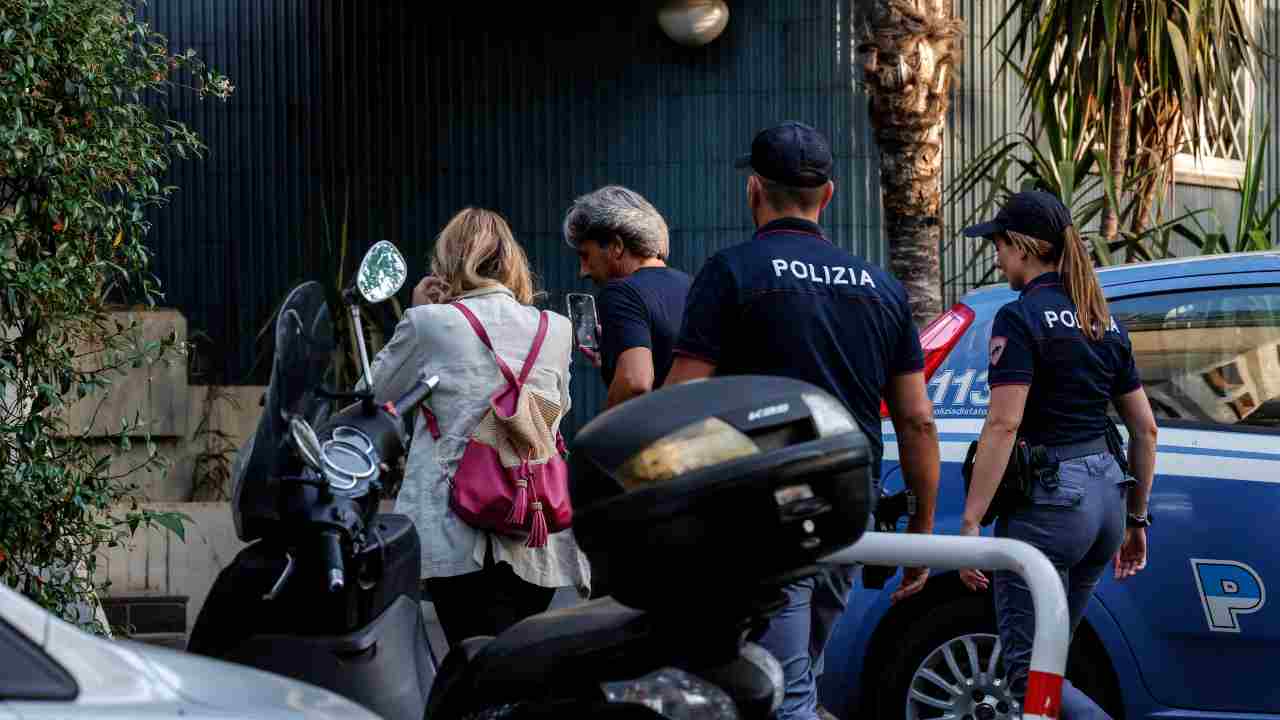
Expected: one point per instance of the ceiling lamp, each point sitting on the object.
(693, 23)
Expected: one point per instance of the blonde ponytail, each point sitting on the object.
(1078, 278)
(1081, 283)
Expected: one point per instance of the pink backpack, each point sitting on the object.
(512, 479)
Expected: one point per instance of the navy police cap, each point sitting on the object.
(1040, 215)
(791, 154)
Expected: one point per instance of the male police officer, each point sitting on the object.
(790, 303)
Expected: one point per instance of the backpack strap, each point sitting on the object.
(535, 348)
(433, 425)
(541, 335)
(484, 338)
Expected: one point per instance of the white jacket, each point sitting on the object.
(439, 339)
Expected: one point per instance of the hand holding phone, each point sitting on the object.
(582, 314)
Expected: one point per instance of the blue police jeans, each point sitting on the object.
(797, 636)
(1078, 523)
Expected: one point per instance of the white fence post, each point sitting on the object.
(952, 552)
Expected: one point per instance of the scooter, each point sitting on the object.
(328, 591)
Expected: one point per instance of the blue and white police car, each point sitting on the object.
(1194, 635)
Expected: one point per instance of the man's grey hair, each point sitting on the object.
(617, 211)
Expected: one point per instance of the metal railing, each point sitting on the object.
(949, 552)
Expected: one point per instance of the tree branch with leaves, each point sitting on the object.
(83, 151)
(1147, 79)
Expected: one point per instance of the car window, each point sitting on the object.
(28, 673)
(1209, 356)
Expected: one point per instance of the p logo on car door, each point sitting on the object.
(1228, 589)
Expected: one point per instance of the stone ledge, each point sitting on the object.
(156, 393)
(148, 615)
(155, 566)
(173, 641)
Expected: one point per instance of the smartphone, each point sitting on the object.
(582, 313)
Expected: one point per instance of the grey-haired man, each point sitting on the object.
(622, 245)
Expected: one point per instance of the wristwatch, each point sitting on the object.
(1134, 520)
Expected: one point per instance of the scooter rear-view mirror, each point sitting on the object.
(382, 273)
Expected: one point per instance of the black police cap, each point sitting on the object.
(792, 154)
(1040, 215)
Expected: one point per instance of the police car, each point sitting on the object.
(1193, 635)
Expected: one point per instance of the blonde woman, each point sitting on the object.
(1057, 360)
(481, 583)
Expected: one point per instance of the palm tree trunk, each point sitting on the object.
(908, 57)
(1161, 142)
(1117, 155)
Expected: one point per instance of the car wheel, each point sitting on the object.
(948, 665)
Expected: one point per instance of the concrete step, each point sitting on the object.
(173, 641)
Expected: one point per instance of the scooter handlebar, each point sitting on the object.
(416, 394)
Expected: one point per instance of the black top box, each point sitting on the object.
(716, 487)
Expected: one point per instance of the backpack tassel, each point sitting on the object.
(520, 503)
(538, 535)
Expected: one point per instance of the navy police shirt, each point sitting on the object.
(790, 303)
(643, 309)
(1036, 341)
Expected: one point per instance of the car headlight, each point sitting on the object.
(829, 416)
(674, 694)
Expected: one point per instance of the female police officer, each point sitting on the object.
(1057, 360)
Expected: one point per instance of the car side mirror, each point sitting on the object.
(382, 272)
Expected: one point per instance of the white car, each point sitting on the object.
(50, 669)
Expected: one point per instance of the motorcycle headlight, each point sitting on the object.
(674, 694)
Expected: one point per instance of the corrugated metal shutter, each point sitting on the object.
(985, 106)
(410, 112)
(417, 111)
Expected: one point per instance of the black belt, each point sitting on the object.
(1063, 453)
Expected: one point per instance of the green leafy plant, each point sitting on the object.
(1113, 90)
(1253, 225)
(83, 150)
(1058, 154)
(211, 469)
(1147, 78)
(216, 449)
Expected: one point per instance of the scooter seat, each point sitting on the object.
(538, 655)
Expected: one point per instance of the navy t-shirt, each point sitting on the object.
(790, 303)
(1036, 341)
(641, 310)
